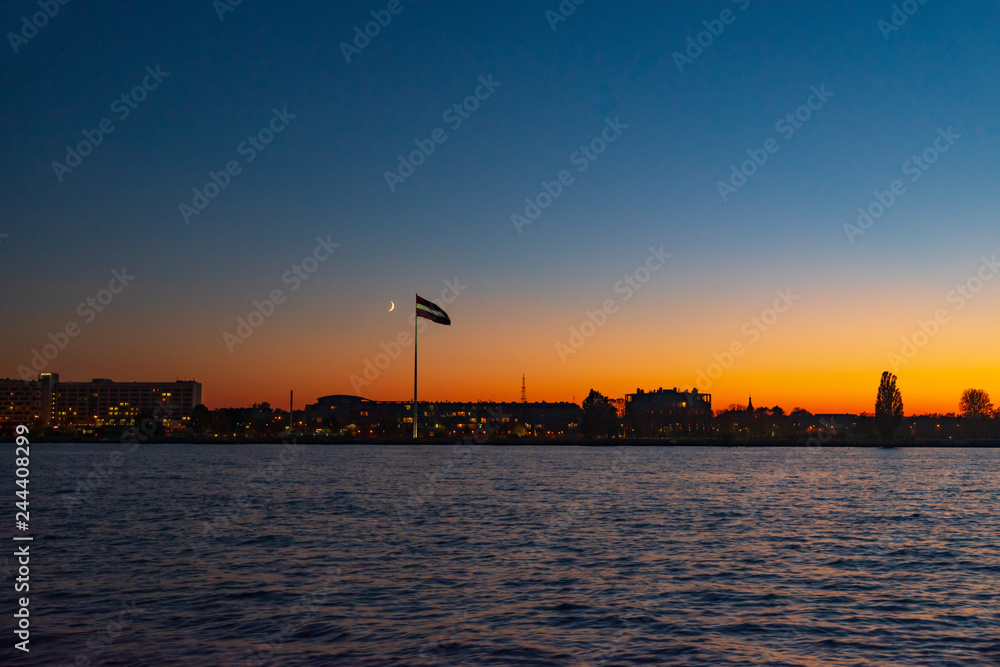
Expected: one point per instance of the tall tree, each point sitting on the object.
(888, 406)
(975, 404)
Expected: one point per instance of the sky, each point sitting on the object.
(600, 195)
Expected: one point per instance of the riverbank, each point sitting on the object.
(530, 441)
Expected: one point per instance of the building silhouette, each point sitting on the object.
(395, 418)
(665, 412)
(48, 403)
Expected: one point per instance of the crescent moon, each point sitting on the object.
(392, 305)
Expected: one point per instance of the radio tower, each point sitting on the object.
(524, 397)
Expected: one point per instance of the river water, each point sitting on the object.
(484, 555)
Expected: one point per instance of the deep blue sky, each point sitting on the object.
(323, 176)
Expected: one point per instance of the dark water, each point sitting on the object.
(194, 555)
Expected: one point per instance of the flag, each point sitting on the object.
(431, 311)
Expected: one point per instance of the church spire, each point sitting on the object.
(749, 403)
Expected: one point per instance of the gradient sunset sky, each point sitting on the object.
(882, 93)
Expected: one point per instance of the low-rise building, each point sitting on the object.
(365, 417)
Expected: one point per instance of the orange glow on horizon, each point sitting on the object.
(825, 354)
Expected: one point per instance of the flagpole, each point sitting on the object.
(414, 369)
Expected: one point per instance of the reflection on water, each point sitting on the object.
(194, 555)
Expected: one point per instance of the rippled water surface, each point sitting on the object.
(421, 555)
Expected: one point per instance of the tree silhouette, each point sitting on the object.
(201, 419)
(866, 426)
(600, 418)
(977, 408)
(147, 422)
(975, 404)
(729, 422)
(800, 419)
(888, 406)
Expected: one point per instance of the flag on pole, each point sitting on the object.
(431, 311)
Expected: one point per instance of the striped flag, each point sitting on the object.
(431, 311)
